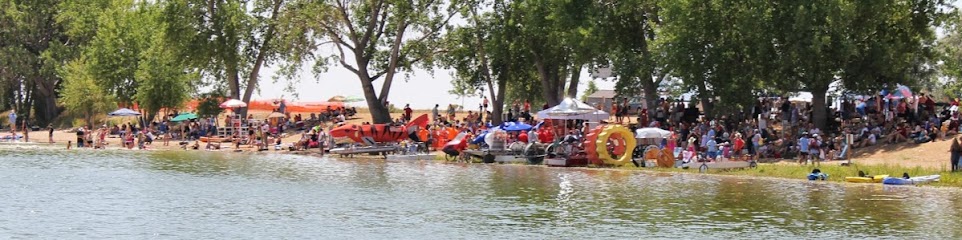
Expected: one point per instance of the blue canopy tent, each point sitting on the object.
(123, 112)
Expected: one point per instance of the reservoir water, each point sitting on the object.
(59, 194)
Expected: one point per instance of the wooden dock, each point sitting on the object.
(373, 150)
(491, 156)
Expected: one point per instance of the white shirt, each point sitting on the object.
(762, 121)
(13, 118)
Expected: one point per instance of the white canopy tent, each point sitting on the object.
(597, 115)
(570, 108)
(652, 133)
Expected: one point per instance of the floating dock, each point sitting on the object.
(499, 156)
(372, 150)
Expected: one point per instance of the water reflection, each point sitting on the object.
(203, 195)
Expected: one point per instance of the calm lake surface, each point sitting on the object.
(199, 195)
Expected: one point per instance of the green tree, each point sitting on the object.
(716, 48)
(34, 46)
(81, 94)
(375, 40)
(164, 82)
(865, 44)
(123, 33)
(950, 53)
(631, 34)
(229, 40)
(209, 105)
(484, 52)
(590, 89)
(560, 38)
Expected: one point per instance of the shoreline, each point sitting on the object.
(772, 171)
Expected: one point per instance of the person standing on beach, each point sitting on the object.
(955, 151)
(451, 113)
(26, 131)
(13, 122)
(434, 112)
(484, 104)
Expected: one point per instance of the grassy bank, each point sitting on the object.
(835, 172)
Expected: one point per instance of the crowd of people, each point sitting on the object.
(776, 128)
(773, 128)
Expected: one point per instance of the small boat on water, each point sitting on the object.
(866, 179)
(910, 181)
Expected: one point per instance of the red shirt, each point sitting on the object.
(527, 106)
(523, 137)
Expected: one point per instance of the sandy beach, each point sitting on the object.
(927, 155)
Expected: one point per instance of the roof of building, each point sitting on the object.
(603, 94)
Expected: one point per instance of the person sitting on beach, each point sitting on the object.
(277, 143)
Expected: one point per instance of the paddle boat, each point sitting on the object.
(866, 179)
(863, 178)
(910, 180)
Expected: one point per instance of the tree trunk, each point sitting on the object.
(819, 116)
(261, 56)
(703, 98)
(233, 84)
(45, 107)
(573, 85)
(651, 97)
(379, 112)
(498, 101)
(549, 83)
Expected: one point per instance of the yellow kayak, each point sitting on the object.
(866, 179)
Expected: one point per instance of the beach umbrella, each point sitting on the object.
(123, 112)
(652, 133)
(337, 98)
(518, 127)
(233, 103)
(354, 99)
(184, 117)
(276, 115)
(900, 92)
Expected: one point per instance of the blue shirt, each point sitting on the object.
(712, 145)
(803, 144)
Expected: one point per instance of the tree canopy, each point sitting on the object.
(160, 53)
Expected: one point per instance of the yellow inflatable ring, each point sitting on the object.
(618, 132)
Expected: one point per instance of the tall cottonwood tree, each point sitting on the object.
(560, 38)
(718, 48)
(35, 43)
(630, 30)
(375, 40)
(230, 40)
(483, 53)
(864, 44)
